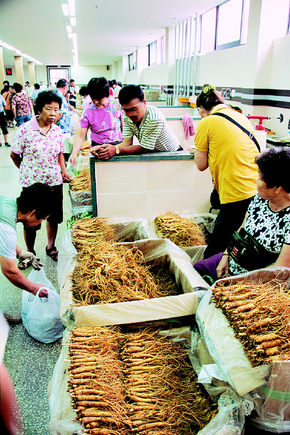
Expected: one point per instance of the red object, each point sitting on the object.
(8, 71)
(259, 126)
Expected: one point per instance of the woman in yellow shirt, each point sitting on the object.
(230, 155)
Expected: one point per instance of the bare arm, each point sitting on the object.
(30, 106)
(17, 159)
(201, 160)
(65, 175)
(284, 257)
(13, 274)
(106, 151)
(77, 145)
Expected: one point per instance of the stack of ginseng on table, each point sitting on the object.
(141, 382)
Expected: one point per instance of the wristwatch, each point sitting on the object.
(117, 150)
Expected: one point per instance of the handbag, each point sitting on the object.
(249, 253)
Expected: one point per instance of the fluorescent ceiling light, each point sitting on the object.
(70, 35)
(71, 7)
(65, 9)
(73, 21)
(68, 29)
(8, 46)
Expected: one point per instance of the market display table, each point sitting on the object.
(144, 185)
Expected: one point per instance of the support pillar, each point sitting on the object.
(2, 70)
(31, 73)
(19, 69)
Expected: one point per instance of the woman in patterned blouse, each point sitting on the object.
(267, 220)
(38, 153)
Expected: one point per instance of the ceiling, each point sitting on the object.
(106, 29)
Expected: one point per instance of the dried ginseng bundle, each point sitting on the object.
(259, 315)
(180, 230)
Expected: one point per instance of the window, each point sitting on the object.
(152, 53)
(162, 49)
(132, 59)
(224, 26)
(208, 31)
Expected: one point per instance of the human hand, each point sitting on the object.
(66, 177)
(222, 269)
(95, 149)
(106, 151)
(27, 259)
(43, 292)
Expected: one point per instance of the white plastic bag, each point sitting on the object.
(41, 316)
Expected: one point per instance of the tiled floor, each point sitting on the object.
(29, 362)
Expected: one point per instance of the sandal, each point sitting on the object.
(52, 253)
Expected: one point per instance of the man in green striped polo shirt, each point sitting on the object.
(145, 122)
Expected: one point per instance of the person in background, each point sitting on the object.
(5, 83)
(86, 99)
(111, 89)
(32, 206)
(8, 111)
(72, 93)
(28, 89)
(38, 153)
(230, 155)
(21, 105)
(63, 117)
(103, 117)
(267, 221)
(116, 88)
(147, 123)
(3, 124)
(34, 95)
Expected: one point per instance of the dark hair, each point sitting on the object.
(110, 83)
(114, 82)
(274, 165)
(36, 85)
(129, 92)
(36, 197)
(6, 88)
(209, 97)
(46, 97)
(18, 87)
(61, 83)
(98, 88)
(72, 80)
(83, 91)
(6, 81)
(27, 82)
(120, 84)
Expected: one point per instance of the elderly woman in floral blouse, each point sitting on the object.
(38, 153)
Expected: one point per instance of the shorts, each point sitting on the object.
(3, 124)
(57, 215)
(9, 115)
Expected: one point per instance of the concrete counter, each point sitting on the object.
(144, 185)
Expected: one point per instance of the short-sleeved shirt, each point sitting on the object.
(2, 103)
(8, 235)
(64, 122)
(105, 123)
(35, 94)
(40, 153)
(20, 101)
(271, 229)
(231, 154)
(153, 133)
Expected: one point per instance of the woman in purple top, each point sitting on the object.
(103, 116)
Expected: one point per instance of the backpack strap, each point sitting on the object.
(251, 136)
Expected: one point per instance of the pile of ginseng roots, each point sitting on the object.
(180, 230)
(134, 383)
(259, 315)
(81, 182)
(107, 272)
(85, 149)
